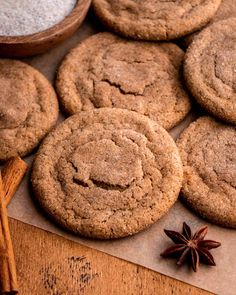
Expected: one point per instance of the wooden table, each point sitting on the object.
(49, 264)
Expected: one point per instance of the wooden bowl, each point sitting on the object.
(21, 46)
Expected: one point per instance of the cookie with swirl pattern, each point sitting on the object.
(108, 71)
(107, 173)
(28, 108)
(210, 69)
(208, 152)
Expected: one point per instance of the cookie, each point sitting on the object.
(155, 19)
(210, 67)
(226, 10)
(28, 108)
(208, 152)
(107, 71)
(107, 173)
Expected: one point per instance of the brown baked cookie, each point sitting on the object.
(210, 69)
(107, 173)
(155, 19)
(208, 152)
(107, 71)
(226, 10)
(28, 108)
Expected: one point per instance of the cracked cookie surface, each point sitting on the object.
(210, 69)
(107, 173)
(208, 153)
(155, 19)
(28, 108)
(107, 71)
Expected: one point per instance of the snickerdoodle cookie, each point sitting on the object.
(28, 108)
(210, 69)
(155, 19)
(208, 152)
(107, 173)
(107, 71)
(226, 10)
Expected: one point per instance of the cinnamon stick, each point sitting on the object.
(12, 174)
(10, 178)
(8, 279)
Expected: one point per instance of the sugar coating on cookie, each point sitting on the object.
(28, 108)
(226, 10)
(108, 71)
(155, 19)
(210, 69)
(208, 151)
(107, 173)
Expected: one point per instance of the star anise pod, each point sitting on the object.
(191, 248)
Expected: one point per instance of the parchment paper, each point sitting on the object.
(145, 247)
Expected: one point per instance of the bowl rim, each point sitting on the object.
(69, 21)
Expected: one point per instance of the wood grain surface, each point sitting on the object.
(49, 264)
